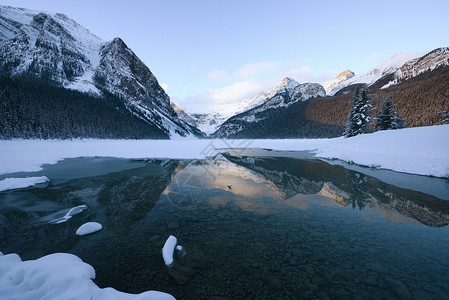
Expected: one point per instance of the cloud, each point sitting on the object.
(328, 75)
(373, 57)
(234, 93)
(225, 100)
(303, 74)
(217, 75)
(256, 69)
(247, 82)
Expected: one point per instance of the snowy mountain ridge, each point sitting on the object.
(389, 66)
(428, 62)
(341, 77)
(54, 48)
(286, 93)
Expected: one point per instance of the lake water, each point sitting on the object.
(253, 227)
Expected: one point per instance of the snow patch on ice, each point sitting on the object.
(20, 183)
(168, 250)
(58, 276)
(73, 211)
(88, 228)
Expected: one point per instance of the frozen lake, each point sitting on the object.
(253, 225)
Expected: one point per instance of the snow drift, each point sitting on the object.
(58, 276)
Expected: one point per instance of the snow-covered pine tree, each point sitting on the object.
(388, 116)
(359, 114)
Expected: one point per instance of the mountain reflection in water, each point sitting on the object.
(285, 228)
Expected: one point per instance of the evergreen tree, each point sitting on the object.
(446, 114)
(359, 114)
(388, 117)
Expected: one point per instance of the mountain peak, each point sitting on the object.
(339, 79)
(387, 67)
(287, 80)
(345, 74)
(286, 85)
(56, 49)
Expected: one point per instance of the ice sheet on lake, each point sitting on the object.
(58, 276)
(88, 228)
(419, 150)
(20, 183)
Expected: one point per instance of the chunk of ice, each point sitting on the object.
(20, 183)
(168, 250)
(89, 227)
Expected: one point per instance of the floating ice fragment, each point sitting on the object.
(20, 183)
(168, 250)
(73, 211)
(89, 227)
(179, 248)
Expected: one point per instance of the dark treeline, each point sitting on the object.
(31, 109)
(288, 123)
(419, 100)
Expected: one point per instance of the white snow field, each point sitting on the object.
(419, 150)
(20, 183)
(58, 276)
(88, 228)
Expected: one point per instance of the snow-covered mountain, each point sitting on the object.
(389, 66)
(206, 122)
(209, 123)
(54, 48)
(281, 96)
(339, 79)
(428, 62)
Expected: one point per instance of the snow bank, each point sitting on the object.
(168, 250)
(419, 150)
(20, 183)
(88, 228)
(57, 276)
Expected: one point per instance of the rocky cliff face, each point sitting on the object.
(53, 48)
(428, 62)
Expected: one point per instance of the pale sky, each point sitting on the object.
(217, 52)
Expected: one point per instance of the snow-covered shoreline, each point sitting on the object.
(419, 150)
(58, 276)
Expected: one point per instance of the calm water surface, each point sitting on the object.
(286, 228)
